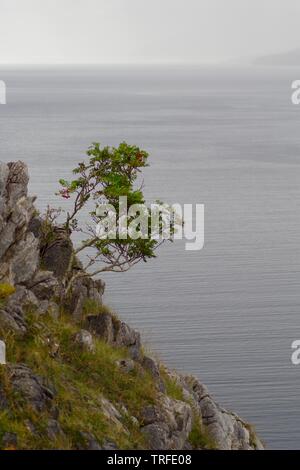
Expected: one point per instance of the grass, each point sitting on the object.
(81, 379)
(173, 389)
(199, 437)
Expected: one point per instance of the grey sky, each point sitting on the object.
(96, 31)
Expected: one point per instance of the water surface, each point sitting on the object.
(228, 138)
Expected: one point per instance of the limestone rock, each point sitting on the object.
(12, 320)
(54, 429)
(168, 425)
(44, 285)
(151, 365)
(102, 326)
(115, 333)
(56, 256)
(85, 340)
(85, 288)
(128, 338)
(126, 365)
(19, 250)
(228, 431)
(31, 387)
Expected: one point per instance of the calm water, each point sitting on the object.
(229, 139)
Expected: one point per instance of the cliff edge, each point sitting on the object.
(77, 377)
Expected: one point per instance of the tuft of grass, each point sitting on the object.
(90, 307)
(173, 389)
(252, 435)
(199, 437)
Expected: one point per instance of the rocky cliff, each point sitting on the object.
(77, 377)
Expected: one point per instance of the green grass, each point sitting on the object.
(80, 379)
(172, 388)
(199, 437)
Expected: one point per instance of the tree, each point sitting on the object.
(110, 174)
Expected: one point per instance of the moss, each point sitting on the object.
(81, 379)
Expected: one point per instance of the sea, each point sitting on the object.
(229, 138)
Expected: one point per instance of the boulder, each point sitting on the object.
(116, 333)
(129, 338)
(102, 326)
(168, 424)
(11, 319)
(126, 365)
(54, 429)
(31, 387)
(85, 341)
(152, 366)
(85, 289)
(57, 255)
(44, 285)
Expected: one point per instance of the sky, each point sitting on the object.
(145, 31)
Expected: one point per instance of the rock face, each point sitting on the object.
(19, 252)
(36, 273)
(168, 425)
(115, 332)
(31, 387)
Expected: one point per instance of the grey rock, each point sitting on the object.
(44, 285)
(35, 226)
(54, 429)
(88, 442)
(31, 387)
(18, 247)
(126, 365)
(22, 297)
(116, 333)
(168, 424)
(56, 257)
(109, 445)
(48, 307)
(25, 260)
(129, 338)
(102, 326)
(152, 366)
(17, 180)
(150, 414)
(85, 340)
(85, 288)
(12, 320)
(156, 436)
(226, 429)
(160, 386)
